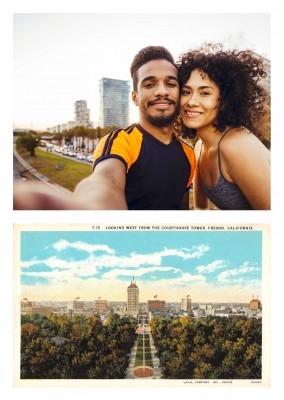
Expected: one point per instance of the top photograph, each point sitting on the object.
(142, 112)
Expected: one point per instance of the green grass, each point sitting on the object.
(45, 163)
(139, 353)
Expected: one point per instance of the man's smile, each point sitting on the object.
(161, 104)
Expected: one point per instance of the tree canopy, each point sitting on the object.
(211, 348)
(90, 350)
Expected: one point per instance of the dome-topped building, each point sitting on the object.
(133, 285)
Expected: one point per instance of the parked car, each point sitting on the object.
(90, 158)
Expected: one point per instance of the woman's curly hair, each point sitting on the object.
(243, 98)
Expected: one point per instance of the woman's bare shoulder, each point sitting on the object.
(239, 140)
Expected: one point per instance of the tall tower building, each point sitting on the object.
(186, 304)
(114, 102)
(255, 304)
(82, 114)
(132, 298)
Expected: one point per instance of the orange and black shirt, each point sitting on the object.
(157, 174)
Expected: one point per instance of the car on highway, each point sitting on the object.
(49, 147)
(65, 152)
(81, 156)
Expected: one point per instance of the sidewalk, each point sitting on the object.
(156, 361)
(39, 176)
(129, 371)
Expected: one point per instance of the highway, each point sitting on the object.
(22, 173)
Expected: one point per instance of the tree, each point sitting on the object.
(91, 351)
(58, 136)
(67, 135)
(28, 332)
(211, 348)
(28, 141)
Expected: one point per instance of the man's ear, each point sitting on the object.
(135, 98)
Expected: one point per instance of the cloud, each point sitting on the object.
(90, 248)
(55, 275)
(195, 252)
(57, 263)
(67, 269)
(28, 264)
(238, 274)
(189, 278)
(212, 267)
(115, 273)
(134, 260)
(63, 270)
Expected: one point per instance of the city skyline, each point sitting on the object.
(60, 58)
(208, 266)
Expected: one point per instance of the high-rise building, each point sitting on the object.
(156, 305)
(255, 304)
(82, 114)
(120, 309)
(26, 303)
(186, 304)
(100, 305)
(132, 298)
(114, 102)
(75, 305)
(42, 310)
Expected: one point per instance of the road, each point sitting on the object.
(70, 158)
(22, 173)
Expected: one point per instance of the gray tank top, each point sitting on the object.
(225, 195)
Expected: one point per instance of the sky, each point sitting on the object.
(213, 266)
(58, 58)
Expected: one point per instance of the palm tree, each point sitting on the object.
(29, 141)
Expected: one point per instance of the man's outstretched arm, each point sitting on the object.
(105, 188)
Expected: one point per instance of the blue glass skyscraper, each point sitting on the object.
(114, 102)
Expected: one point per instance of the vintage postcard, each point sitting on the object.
(134, 305)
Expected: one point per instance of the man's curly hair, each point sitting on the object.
(243, 98)
(145, 55)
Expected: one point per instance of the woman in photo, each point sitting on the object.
(224, 102)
